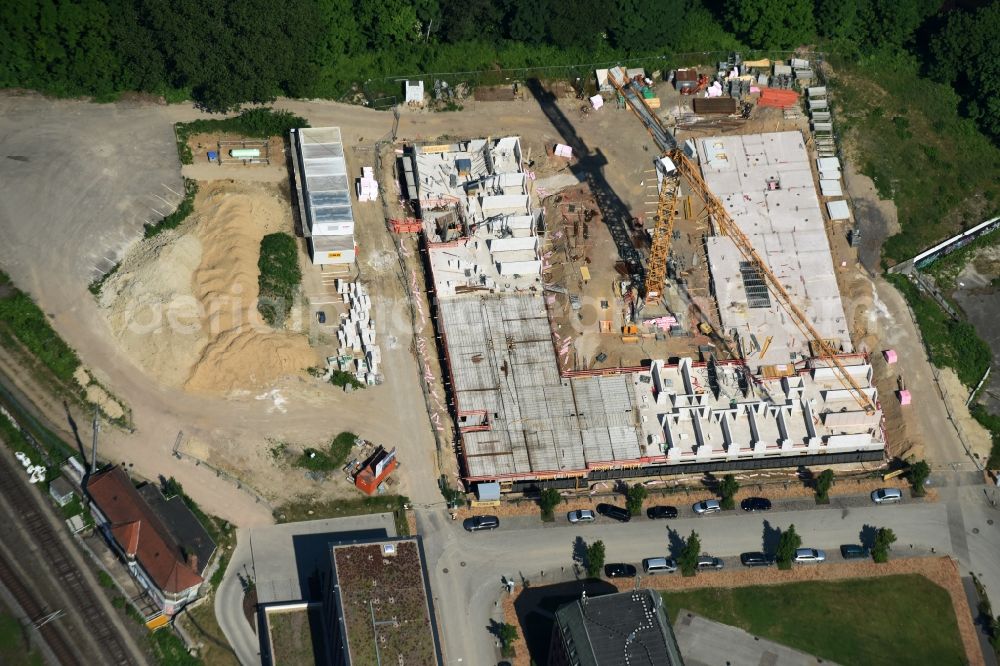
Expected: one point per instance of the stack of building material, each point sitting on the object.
(822, 121)
(367, 185)
(710, 105)
(358, 352)
(777, 98)
(562, 150)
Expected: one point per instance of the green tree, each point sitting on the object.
(387, 24)
(595, 558)
(728, 489)
(507, 634)
(838, 20)
(468, 20)
(772, 24)
(578, 23)
(526, 22)
(637, 494)
(918, 473)
(965, 54)
(548, 501)
(888, 25)
(884, 538)
(823, 484)
(632, 31)
(789, 542)
(688, 558)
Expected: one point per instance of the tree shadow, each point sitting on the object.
(589, 165)
(867, 536)
(494, 628)
(710, 481)
(675, 543)
(580, 551)
(770, 538)
(806, 476)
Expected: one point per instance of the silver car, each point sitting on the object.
(887, 495)
(580, 516)
(806, 555)
(707, 506)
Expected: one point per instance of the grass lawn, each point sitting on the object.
(906, 133)
(201, 622)
(296, 636)
(14, 648)
(330, 459)
(22, 319)
(915, 622)
(294, 512)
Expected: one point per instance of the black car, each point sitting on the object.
(476, 523)
(619, 570)
(654, 512)
(852, 551)
(756, 504)
(616, 512)
(756, 559)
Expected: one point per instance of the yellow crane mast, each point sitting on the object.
(666, 211)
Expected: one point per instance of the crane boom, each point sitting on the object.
(629, 90)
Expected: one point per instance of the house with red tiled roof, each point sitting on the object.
(142, 540)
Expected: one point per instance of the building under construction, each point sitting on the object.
(524, 420)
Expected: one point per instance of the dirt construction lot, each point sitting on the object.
(80, 180)
(83, 180)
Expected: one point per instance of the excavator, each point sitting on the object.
(675, 165)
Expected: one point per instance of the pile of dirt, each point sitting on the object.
(183, 305)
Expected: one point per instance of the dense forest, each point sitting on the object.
(222, 53)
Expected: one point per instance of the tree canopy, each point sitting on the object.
(224, 54)
(788, 543)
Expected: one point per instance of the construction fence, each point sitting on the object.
(386, 92)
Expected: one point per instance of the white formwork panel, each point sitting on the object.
(838, 210)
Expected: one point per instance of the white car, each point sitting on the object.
(887, 495)
(805, 555)
(580, 516)
(707, 506)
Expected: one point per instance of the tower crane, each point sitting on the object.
(676, 165)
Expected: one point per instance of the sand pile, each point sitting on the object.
(152, 310)
(184, 304)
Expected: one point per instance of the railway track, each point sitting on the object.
(60, 567)
(33, 608)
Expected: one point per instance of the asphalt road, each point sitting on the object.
(466, 570)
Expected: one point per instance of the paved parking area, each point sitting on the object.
(80, 180)
(707, 643)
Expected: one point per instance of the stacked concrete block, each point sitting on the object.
(356, 333)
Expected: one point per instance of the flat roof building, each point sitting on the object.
(382, 598)
(324, 194)
(624, 629)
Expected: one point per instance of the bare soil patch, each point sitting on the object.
(184, 304)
